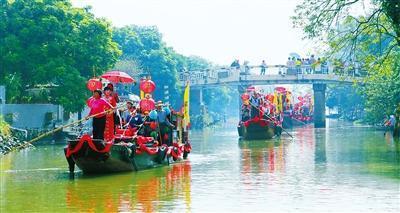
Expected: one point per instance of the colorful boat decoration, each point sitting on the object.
(261, 115)
(299, 114)
(161, 137)
(132, 153)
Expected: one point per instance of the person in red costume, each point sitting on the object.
(114, 93)
(98, 106)
(109, 129)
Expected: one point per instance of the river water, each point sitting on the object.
(340, 168)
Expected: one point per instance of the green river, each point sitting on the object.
(340, 168)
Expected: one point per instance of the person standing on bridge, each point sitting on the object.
(235, 64)
(263, 67)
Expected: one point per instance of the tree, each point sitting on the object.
(372, 39)
(317, 17)
(49, 42)
(350, 104)
(144, 47)
(332, 20)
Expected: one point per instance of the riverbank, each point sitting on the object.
(8, 143)
(10, 138)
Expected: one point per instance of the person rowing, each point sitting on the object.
(98, 105)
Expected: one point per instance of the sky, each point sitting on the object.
(217, 30)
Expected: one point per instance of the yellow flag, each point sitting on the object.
(141, 94)
(186, 97)
(275, 102)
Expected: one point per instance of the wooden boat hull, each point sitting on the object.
(255, 131)
(120, 158)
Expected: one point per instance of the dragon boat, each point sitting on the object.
(131, 148)
(261, 115)
(258, 129)
(300, 114)
(122, 154)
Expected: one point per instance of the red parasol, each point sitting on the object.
(280, 90)
(250, 89)
(118, 77)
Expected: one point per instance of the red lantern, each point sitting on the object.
(147, 105)
(94, 84)
(147, 86)
(245, 97)
(153, 125)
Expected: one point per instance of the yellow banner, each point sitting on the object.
(186, 97)
(275, 102)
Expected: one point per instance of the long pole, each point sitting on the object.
(281, 127)
(159, 130)
(27, 143)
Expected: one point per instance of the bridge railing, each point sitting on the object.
(231, 74)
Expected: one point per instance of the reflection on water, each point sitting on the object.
(142, 191)
(342, 167)
(49, 190)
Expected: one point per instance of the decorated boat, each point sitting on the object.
(157, 137)
(258, 129)
(261, 116)
(128, 153)
(301, 113)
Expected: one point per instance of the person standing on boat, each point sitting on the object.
(109, 130)
(98, 105)
(255, 104)
(134, 119)
(164, 124)
(114, 94)
(245, 113)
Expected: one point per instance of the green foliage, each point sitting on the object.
(318, 18)
(5, 129)
(382, 88)
(49, 42)
(144, 47)
(350, 104)
(373, 40)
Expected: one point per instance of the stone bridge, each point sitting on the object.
(277, 74)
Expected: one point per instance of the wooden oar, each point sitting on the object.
(27, 143)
